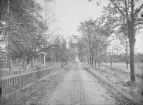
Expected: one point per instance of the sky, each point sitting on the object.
(69, 14)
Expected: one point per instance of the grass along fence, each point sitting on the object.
(17, 81)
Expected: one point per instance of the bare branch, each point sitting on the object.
(138, 10)
(113, 2)
(126, 9)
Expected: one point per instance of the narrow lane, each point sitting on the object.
(78, 87)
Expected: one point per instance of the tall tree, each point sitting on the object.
(87, 30)
(129, 11)
(95, 35)
(27, 36)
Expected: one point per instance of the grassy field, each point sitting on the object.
(124, 73)
(122, 66)
(119, 78)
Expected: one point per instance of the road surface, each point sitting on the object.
(78, 87)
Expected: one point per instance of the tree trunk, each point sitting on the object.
(28, 64)
(98, 64)
(62, 64)
(132, 65)
(127, 64)
(131, 37)
(32, 62)
(44, 60)
(111, 58)
(87, 60)
(95, 62)
(23, 63)
(92, 59)
(90, 51)
(126, 53)
(111, 62)
(99, 60)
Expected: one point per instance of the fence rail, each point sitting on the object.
(12, 83)
(5, 72)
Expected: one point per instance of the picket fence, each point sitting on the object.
(13, 81)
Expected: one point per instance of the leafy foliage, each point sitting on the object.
(94, 41)
(26, 29)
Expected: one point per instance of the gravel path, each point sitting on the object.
(78, 87)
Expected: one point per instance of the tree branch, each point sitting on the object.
(126, 9)
(139, 23)
(138, 10)
(113, 2)
(119, 24)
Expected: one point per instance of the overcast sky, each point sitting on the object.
(69, 14)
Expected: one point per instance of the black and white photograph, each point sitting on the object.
(71, 52)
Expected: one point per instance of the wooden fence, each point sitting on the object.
(18, 80)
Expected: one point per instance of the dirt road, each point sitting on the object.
(79, 87)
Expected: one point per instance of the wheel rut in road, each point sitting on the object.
(78, 87)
